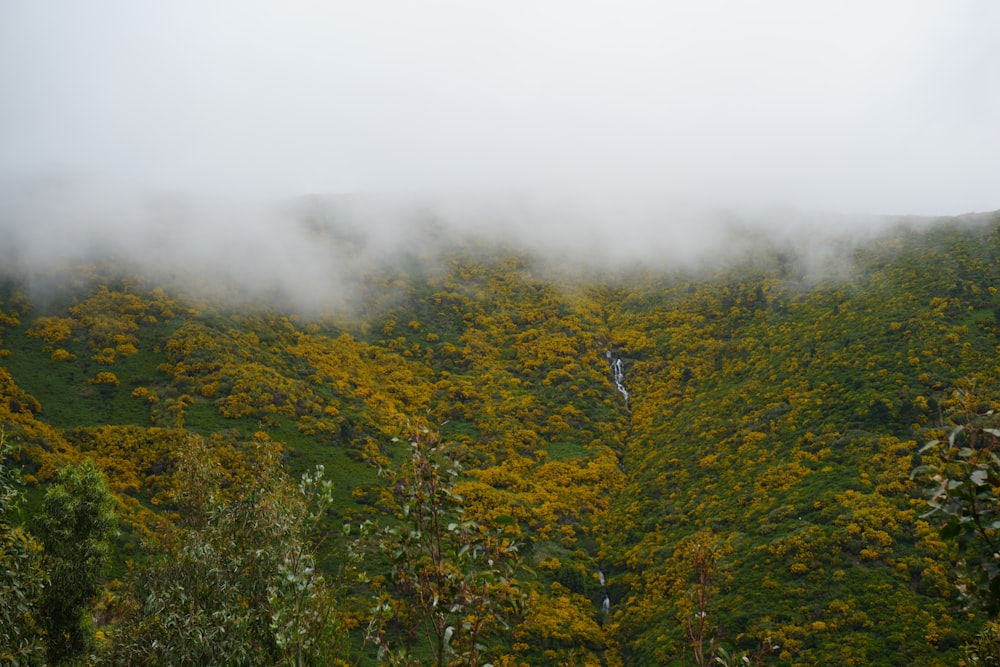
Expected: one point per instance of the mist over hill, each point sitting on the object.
(764, 397)
(311, 251)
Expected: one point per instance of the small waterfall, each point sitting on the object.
(606, 602)
(618, 374)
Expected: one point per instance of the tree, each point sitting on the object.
(76, 528)
(238, 583)
(962, 477)
(22, 579)
(984, 649)
(704, 639)
(451, 580)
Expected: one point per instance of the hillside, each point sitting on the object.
(763, 415)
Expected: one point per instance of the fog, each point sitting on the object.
(191, 135)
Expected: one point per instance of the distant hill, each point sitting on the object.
(762, 415)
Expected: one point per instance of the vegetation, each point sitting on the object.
(752, 501)
(237, 580)
(22, 579)
(76, 526)
(450, 579)
(961, 476)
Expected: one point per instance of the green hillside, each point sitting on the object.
(774, 409)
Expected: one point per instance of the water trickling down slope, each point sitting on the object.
(618, 373)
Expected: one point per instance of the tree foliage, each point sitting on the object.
(237, 581)
(962, 477)
(450, 588)
(22, 579)
(76, 528)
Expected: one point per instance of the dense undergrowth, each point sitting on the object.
(775, 409)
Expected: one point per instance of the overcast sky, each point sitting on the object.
(874, 106)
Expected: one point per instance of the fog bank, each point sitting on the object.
(313, 252)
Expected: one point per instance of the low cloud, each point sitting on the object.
(212, 142)
(314, 252)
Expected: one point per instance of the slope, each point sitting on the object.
(774, 408)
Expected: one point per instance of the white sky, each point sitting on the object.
(859, 106)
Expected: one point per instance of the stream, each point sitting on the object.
(618, 374)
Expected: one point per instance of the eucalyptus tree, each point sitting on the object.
(22, 579)
(77, 526)
(237, 580)
(450, 592)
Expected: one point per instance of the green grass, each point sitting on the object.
(565, 449)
